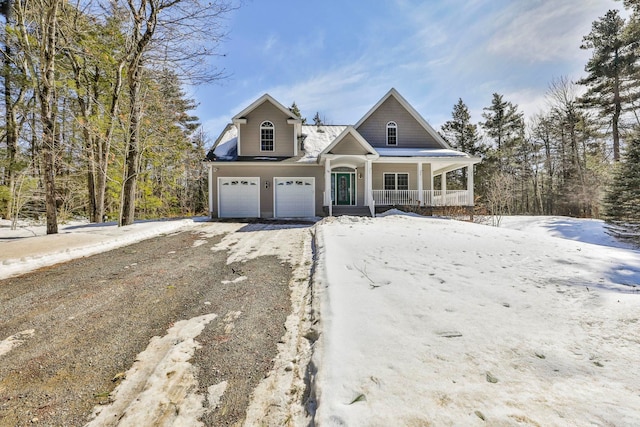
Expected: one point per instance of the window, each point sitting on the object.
(392, 133)
(396, 181)
(267, 131)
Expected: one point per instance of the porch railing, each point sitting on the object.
(429, 198)
(396, 197)
(448, 198)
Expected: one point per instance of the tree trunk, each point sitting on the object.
(127, 213)
(11, 126)
(615, 120)
(47, 105)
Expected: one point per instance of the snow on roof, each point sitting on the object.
(317, 139)
(419, 152)
(227, 147)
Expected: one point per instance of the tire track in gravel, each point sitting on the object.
(91, 317)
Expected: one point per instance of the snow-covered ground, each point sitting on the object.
(428, 321)
(437, 322)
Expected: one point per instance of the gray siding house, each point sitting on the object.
(267, 164)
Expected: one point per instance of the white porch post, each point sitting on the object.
(368, 184)
(211, 184)
(327, 182)
(432, 197)
(470, 184)
(443, 184)
(420, 186)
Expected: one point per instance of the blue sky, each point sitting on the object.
(341, 57)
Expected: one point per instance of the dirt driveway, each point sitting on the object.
(217, 305)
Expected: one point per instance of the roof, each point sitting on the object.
(226, 146)
(258, 102)
(420, 152)
(317, 139)
(321, 138)
(393, 92)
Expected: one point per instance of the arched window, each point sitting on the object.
(267, 131)
(392, 133)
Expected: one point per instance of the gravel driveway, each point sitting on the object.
(82, 325)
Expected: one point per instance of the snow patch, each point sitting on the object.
(236, 280)
(256, 240)
(9, 343)
(161, 386)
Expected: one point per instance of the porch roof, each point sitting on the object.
(418, 152)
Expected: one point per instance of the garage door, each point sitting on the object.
(294, 197)
(239, 197)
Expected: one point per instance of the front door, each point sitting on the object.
(344, 190)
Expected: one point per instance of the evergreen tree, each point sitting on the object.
(462, 134)
(317, 121)
(504, 125)
(622, 200)
(612, 63)
(296, 111)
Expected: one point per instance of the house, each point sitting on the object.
(267, 164)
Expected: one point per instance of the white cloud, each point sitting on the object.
(544, 30)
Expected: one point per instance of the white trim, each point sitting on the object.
(369, 182)
(470, 185)
(260, 163)
(392, 125)
(420, 184)
(210, 177)
(327, 183)
(273, 135)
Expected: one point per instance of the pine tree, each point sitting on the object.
(296, 112)
(503, 123)
(462, 134)
(611, 65)
(317, 121)
(622, 200)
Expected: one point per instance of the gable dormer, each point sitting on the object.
(350, 143)
(266, 128)
(393, 122)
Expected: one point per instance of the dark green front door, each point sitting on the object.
(343, 188)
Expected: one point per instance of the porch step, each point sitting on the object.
(351, 210)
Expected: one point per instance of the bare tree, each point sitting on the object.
(165, 30)
(38, 21)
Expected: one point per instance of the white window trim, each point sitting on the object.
(395, 178)
(392, 125)
(273, 129)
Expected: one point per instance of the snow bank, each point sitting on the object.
(29, 248)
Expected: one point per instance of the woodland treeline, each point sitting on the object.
(96, 122)
(579, 157)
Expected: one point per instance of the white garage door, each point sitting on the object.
(294, 197)
(239, 197)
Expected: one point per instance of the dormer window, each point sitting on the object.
(267, 131)
(392, 133)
